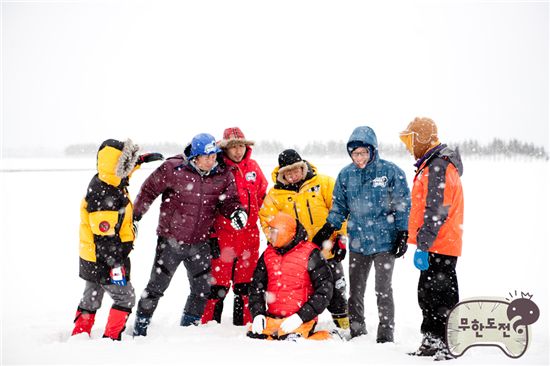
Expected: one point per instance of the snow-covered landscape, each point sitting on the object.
(505, 249)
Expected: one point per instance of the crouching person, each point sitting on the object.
(292, 284)
(107, 236)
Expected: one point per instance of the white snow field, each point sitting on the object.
(505, 250)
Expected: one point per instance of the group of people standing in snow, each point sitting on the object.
(213, 196)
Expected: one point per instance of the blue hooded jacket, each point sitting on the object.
(376, 199)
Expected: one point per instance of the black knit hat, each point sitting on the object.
(289, 157)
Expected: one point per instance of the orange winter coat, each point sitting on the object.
(437, 210)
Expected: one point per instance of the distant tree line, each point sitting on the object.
(497, 148)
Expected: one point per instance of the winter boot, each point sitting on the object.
(188, 319)
(428, 347)
(341, 320)
(442, 352)
(241, 314)
(385, 334)
(140, 326)
(357, 329)
(116, 323)
(83, 321)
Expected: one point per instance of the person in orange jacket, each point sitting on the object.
(235, 252)
(435, 226)
(292, 284)
(107, 234)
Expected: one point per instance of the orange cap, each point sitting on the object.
(282, 229)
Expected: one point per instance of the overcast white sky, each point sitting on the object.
(84, 71)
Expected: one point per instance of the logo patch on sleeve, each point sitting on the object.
(104, 226)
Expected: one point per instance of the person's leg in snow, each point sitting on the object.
(383, 266)
(198, 264)
(214, 306)
(241, 313)
(359, 267)
(437, 295)
(221, 275)
(167, 260)
(338, 306)
(89, 304)
(124, 299)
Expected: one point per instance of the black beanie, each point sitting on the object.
(352, 145)
(289, 157)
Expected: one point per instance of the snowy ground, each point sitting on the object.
(505, 249)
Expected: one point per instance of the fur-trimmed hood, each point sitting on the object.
(116, 161)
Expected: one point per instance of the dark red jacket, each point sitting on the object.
(190, 200)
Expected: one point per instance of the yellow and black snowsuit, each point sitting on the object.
(106, 226)
(309, 203)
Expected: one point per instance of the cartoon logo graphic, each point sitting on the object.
(379, 181)
(495, 322)
(250, 176)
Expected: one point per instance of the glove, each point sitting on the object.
(291, 323)
(400, 246)
(421, 260)
(323, 234)
(238, 219)
(149, 157)
(339, 248)
(214, 247)
(118, 276)
(258, 324)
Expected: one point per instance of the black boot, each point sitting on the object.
(428, 347)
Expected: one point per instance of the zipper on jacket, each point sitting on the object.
(309, 210)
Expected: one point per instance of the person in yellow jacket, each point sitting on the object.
(299, 190)
(107, 234)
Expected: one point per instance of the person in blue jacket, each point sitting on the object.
(372, 194)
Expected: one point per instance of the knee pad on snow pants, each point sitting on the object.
(241, 313)
(214, 306)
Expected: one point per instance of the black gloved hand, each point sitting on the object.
(238, 219)
(149, 157)
(323, 234)
(400, 245)
(214, 247)
(339, 249)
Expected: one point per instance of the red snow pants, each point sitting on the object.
(239, 251)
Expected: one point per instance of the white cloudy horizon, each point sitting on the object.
(291, 71)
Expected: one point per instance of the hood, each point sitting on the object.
(454, 157)
(116, 161)
(363, 136)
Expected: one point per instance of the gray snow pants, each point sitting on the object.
(169, 254)
(123, 296)
(359, 268)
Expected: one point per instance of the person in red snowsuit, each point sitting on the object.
(235, 253)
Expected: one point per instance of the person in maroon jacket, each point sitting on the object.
(235, 252)
(194, 189)
(292, 284)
